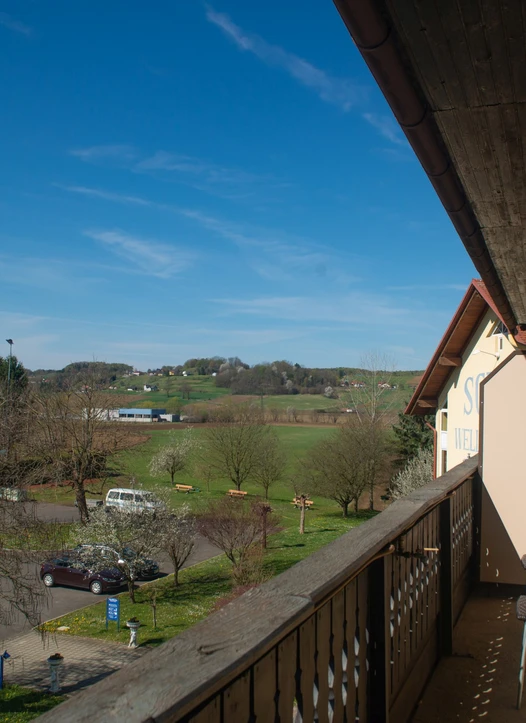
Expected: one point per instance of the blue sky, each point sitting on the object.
(183, 179)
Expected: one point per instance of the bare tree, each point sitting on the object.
(179, 537)
(234, 526)
(373, 403)
(271, 463)
(341, 466)
(174, 456)
(22, 533)
(186, 389)
(292, 414)
(371, 398)
(275, 413)
(75, 435)
(166, 385)
(204, 471)
(142, 531)
(232, 447)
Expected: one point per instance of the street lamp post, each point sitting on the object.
(10, 342)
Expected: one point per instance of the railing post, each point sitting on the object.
(446, 578)
(379, 637)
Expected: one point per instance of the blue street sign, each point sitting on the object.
(5, 655)
(113, 606)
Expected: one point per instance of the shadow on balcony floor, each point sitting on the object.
(480, 681)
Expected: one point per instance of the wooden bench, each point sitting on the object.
(186, 488)
(297, 503)
(236, 493)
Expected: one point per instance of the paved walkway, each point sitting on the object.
(86, 661)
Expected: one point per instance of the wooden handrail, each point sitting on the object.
(174, 679)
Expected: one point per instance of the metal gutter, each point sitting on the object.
(376, 41)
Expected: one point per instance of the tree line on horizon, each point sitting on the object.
(277, 377)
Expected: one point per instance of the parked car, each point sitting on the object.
(91, 503)
(144, 568)
(132, 500)
(75, 572)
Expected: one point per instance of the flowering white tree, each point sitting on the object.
(141, 531)
(173, 457)
(180, 531)
(417, 473)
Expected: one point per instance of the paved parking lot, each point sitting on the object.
(62, 600)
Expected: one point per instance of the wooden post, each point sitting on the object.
(379, 641)
(302, 499)
(446, 577)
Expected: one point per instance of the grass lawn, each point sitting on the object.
(201, 389)
(296, 441)
(18, 704)
(202, 585)
(48, 537)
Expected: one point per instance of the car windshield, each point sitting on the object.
(129, 554)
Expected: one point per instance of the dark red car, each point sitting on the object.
(73, 572)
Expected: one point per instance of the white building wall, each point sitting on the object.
(458, 438)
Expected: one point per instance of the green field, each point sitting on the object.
(203, 389)
(296, 441)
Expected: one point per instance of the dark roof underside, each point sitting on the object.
(454, 74)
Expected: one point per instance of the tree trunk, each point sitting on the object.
(80, 497)
(345, 509)
(302, 515)
(266, 493)
(371, 494)
(131, 590)
(172, 475)
(356, 504)
(176, 576)
(264, 543)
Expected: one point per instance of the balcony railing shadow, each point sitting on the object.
(351, 633)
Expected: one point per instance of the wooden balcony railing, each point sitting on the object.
(352, 633)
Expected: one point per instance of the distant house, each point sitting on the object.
(150, 388)
(185, 374)
(171, 373)
(384, 385)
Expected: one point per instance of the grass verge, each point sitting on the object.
(18, 705)
(201, 586)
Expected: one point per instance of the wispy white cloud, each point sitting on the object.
(387, 128)
(265, 249)
(357, 308)
(9, 22)
(341, 92)
(153, 258)
(213, 178)
(117, 153)
(109, 196)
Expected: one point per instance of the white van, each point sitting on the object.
(132, 500)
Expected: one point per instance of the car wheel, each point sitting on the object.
(96, 587)
(48, 580)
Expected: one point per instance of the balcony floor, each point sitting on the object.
(480, 680)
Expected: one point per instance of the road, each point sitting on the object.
(62, 600)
